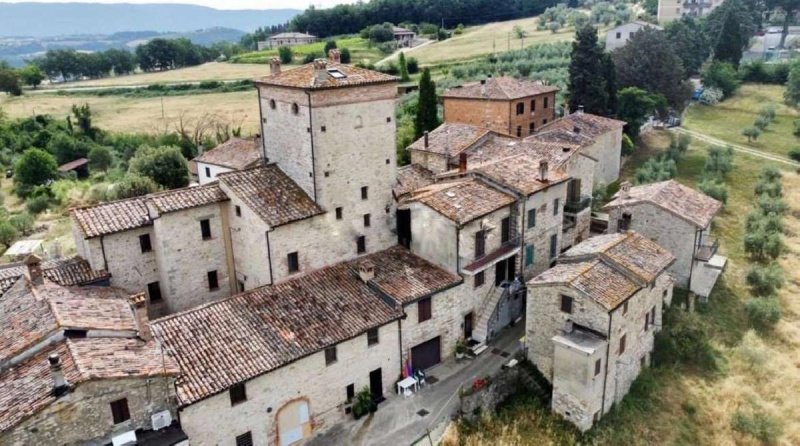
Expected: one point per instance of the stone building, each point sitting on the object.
(617, 37)
(669, 10)
(233, 154)
(77, 362)
(503, 104)
(286, 39)
(679, 219)
(313, 341)
(403, 38)
(592, 318)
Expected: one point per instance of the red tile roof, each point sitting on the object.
(66, 272)
(597, 280)
(241, 337)
(684, 202)
(271, 194)
(587, 125)
(411, 178)
(235, 153)
(305, 77)
(450, 139)
(521, 173)
(464, 200)
(500, 88)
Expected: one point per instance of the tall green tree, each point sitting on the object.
(164, 165)
(31, 75)
(587, 84)
(635, 105)
(727, 47)
(427, 117)
(9, 80)
(792, 93)
(34, 167)
(648, 61)
(403, 67)
(747, 14)
(690, 42)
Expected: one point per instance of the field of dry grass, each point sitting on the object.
(117, 113)
(212, 71)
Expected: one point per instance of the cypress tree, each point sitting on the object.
(427, 116)
(728, 47)
(587, 83)
(403, 68)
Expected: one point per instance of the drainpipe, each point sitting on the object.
(608, 355)
(694, 252)
(313, 161)
(264, 159)
(269, 259)
(103, 251)
(458, 244)
(400, 341)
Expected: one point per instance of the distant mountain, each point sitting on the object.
(57, 19)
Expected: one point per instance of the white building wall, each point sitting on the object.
(130, 268)
(207, 173)
(619, 36)
(213, 421)
(607, 149)
(433, 237)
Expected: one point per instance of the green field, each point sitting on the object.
(360, 52)
(726, 120)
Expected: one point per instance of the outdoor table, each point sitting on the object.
(406, 384)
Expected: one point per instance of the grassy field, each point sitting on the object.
(680, 406)
(485, 39)
(740, 111)
(118, 113)
(360, 52)
(212, 71)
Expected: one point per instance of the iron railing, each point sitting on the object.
(707, 249)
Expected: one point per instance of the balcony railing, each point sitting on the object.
(574, 207)
(707, 249)
(491, 255)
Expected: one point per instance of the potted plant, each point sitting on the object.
(461, 349)
(362, 403)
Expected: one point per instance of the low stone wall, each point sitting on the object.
(495, 391)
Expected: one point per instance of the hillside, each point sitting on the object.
(55, 19)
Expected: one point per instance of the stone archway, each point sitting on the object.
(294, 422)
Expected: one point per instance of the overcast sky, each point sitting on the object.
(218, 4)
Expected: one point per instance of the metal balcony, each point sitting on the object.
(575, 207)
(707, 249)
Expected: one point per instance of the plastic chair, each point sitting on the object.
(419, 375)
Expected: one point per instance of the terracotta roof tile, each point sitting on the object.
(588, 125)
(450, 139)
(411, 178)
(521, 173)
(238, 338)
(500, 88)
(132, 213)
(271, 194)
(305, 77)
(684, 202)
(643, 258)
(66, 272)
(235, 153)
(108, 358)
(464, 201)
(599, 281)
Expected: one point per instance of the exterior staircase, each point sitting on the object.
(480, 332)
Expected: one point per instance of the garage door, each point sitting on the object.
(427, 354)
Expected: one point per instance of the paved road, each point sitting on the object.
(736, 147)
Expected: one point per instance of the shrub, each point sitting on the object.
(761, 123)
(772, 205)
(34, 167)
(796, 125)
(627, 145)
(165, 165)
(719, 161)
(413, 65)
(773, 189)
(7, 233)
(765, 280)
(22, 222)
(38, 204)
(711, 96)
(345, 55)
(684, 340)
(768, 112)
(763, 244)
(714, 188)
(133, 186)
(757, 221)
(770, 174)
(752, 133)
(763, 312)
(723, 76)
(100, 158)
(795, 154)
(760, 425)
(285, 54)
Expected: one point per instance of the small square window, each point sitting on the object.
(372, 336)
(389, 119)
(556, 206)
(208, 172)
(566, 304)
(327, 174)
(361, 244)
(533, 105)
(519, 131)
(424, 310)
(293, 262)
(544, 121)
(622, 344)
(531, 218)
(364, 193)
(238, 393)
(339, 213)
(330, 355)
(597, 365)
(154, 291)
(350, 392)
(144, 243)
(529, 255)
(546, 104)
(245, 439)
(238, 210)
(388, 161)
(366, 220)
(213, 281)
(480, 279)
(205, 229)
(324, 128)
(240, 286)
(119, 411)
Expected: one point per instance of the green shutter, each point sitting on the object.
(529, 255)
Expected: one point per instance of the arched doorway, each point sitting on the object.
(294, 422)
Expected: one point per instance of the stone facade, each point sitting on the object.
(501, 115)
(448, 310)
(322, 387)
(547, 224)
(607, 150)
(669, 10)
(666, 229)
(83, 416)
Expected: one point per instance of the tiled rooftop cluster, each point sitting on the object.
(464, 200)
(684, 202)
(338, 76)
(500, 88)
(235, 153)
(65, 272)
(289, 320)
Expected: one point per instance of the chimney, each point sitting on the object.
(366, 271)
(34, 271)
(543, 171)
(275, 66)
(425, 135)
(139, 304)
(624, 190)
(462, 162)
(60, 385)
(320, 70)
(580, 109)
(335, 56)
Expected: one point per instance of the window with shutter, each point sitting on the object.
(424, 309)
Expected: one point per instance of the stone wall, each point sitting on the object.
(492, 224)
(546, 225)
(432, 161)
(607, 149)
(502, 385)
(668, 230)
(213, 421)
(121, 253)
(448, 309)
(250, 242)
(433, 237)
(83, 416)
(185, 258)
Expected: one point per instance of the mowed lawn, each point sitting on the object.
(212, 71)
(759, 371)
(478, 41)
(360, 51)
(726, 120)
(117, 113)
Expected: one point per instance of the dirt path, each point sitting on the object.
(736, 147)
